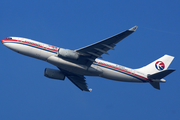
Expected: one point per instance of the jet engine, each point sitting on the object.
(66, 53)
(54, 74)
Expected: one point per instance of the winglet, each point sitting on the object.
(90, 90)
(133, 28)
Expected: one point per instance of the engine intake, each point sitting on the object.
(54, 74)
(66, 53)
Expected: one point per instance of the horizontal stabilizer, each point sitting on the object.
(161, 74)
(155, 85)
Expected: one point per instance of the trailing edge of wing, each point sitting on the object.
(79, 82)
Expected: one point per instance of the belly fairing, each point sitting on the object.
(74, 68)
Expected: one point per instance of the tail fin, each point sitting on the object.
(158, 70)
(158, 65)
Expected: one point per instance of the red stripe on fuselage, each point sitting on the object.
(6, 40)
(125, 71)
(38, 46)
(12, 40)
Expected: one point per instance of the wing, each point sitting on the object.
(95, 50)
(80, 82)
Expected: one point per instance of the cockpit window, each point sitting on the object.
(9, 38)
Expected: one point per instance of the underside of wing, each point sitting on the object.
(80, 82)
(95, 50)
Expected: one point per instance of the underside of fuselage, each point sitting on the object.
(120, 75)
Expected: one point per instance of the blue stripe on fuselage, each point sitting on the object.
(120, 72)
(33, 46)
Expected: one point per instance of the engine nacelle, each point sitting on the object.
(54, 74)
(66, 53)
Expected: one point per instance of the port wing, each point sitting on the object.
(95, 50)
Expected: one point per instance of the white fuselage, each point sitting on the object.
(48, 53)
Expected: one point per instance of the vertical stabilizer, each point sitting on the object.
(158, 65)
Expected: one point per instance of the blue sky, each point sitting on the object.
(25, 93)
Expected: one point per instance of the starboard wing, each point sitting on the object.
(80, 82)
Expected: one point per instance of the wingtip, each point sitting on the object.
(90, 90)
(133, 28)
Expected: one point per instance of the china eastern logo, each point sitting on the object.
(160, 65)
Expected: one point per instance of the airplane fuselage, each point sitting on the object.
(48, 53)
(75, 64)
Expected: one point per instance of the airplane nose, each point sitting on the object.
(2, 40)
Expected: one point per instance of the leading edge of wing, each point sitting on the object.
(129, 31)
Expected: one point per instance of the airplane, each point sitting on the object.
(75, 64)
